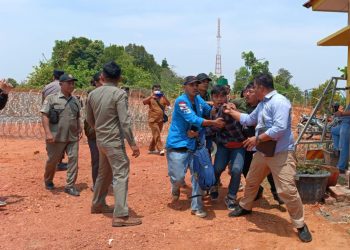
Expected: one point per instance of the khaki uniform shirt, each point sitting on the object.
(155, 113)
(66, 130)
(107, 112)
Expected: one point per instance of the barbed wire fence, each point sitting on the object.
(21, 118)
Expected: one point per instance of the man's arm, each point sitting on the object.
(125, 123)
(189, 115)
(280, 117)
(245, 119)
(90, 119)
(3, 99)
(5, 88)
(45, 121)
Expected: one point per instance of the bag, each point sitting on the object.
(267, 147)
(54, 115)
(203, 168)
(165, 117)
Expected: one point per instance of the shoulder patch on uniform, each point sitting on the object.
(184, 108)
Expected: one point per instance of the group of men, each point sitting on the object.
(238, 135)
(107, 124)
(237, 126)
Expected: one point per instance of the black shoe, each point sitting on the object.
(72, 191)
(277, 198)
(342, 171)
(304, 234)
(259, 194)
(239, 211)
(49, 185)
(62, 166)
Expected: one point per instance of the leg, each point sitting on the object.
(177, 166)
(248, 156)
(335, 131)
(94, 159)
(54, 153)
(272, 183)
(257, 173)
(236, 166)
(103, 180)
(196, 203)
(283, 169)
(152, 145)
(344, 138)
(120, 163)
(72, 170)
(222, 158)
(158, 137)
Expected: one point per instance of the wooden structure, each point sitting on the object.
(342, 36)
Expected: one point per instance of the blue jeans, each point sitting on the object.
(234, 156)
(94, 159)
(341, 140)
(178, 163)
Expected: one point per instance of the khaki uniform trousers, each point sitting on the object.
(283, 169)
(54, 152)
(113, 165)
(156, 143)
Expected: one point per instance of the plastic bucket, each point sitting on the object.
(311, 188)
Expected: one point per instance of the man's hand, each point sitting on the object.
(49, 138)
(219, 123)
(192, 134)
(135, 151)
(5, 86)
(250, 143)
(338, 113)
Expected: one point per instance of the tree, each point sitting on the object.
(13, 82)
(252, 67)
(165, 64)
(283, 78)
(83, 57)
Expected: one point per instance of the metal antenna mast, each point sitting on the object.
(218, 71)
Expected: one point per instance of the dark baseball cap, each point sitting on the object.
(190, 79)
(202, 77)
(67, 78)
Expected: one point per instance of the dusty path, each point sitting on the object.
(38, 219)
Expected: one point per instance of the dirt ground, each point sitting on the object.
(39, 219)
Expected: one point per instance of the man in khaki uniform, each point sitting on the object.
(61, 122)
(157, 103)
(107, 112)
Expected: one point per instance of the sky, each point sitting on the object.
(183, 31)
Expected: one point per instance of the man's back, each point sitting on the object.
(107, 112)
(51, 88)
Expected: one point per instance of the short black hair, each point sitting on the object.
(111, 70)
(264, 79)
(95, 78)
(57, 73)
(218, 90)
(156, 86)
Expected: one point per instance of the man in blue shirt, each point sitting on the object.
(187, 120)
(341, 138)
(273, 119)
